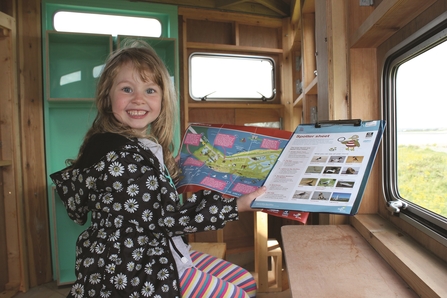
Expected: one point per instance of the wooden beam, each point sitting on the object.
(35, 203)
(5, 163)
(277, 6)
(11, 178)
(261, 264)
(337, 45)
(308, 6)
(227, 3)
(241, 18)
(6, 22)
(295, 11)
(287, 66)
(271, 8)
(193, 3)
(4, 32)
(388, 18)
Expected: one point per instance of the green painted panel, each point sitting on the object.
(67, 122)
(64, 242)
(67, 127)
(67, 118)
(75, 62)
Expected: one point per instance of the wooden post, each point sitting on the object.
(261, 261)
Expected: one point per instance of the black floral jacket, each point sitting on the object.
(135, 210)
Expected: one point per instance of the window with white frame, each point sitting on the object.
(231, 77)
(415, 142)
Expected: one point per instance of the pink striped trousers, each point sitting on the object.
(213, 277)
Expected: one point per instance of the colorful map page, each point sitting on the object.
(233, 160)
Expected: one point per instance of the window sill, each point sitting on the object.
(425, 273)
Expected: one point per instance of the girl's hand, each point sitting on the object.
(243, 202)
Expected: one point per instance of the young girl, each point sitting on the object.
(124, 175)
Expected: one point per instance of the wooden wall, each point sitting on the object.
(7, 170)
(29, 262)
(32, 137)
(27, 249)
(231, 33)
(30, 258)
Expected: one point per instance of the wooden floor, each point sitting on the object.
(51, 290)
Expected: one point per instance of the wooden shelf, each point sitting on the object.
(388, 18)
(4, 163)
(227, 16)
(227, 47)
(233, 105)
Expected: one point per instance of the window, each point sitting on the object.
(415, 142)
(78, 68)
(231, 77)
(68, 21)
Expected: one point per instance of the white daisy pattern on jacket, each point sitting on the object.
(134, 209)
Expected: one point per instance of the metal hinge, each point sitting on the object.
(366, 2)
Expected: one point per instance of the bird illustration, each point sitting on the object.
(351, 143)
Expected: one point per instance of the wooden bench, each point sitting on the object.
(217, 249)
(274, 252)
(336, 261)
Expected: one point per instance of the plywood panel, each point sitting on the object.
(210, 32)
(213, 116)
(246, 116)
(256, 36)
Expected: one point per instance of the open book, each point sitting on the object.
(233, 160)
(236, 160)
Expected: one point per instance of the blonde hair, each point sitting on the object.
(149, 65)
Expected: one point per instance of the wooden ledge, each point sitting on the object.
(423, 271)
(336, 261)
(4, 163)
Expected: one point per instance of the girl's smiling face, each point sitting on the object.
(135, 102)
